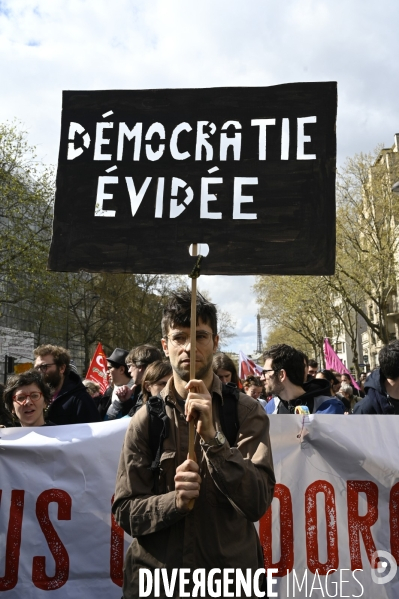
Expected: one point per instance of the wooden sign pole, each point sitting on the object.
(193, 350)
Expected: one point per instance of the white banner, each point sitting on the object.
(336, 503)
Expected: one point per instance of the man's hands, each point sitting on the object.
(124, 392)
(187, 485)
(199, 408)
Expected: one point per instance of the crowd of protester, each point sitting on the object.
(53, 393)
(231, 444)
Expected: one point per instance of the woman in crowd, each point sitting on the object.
(155, 377)
(253, 387)
(225, 369)
(27, 396)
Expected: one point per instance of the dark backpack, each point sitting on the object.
(159, 424)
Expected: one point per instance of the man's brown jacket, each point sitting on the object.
(236, 490)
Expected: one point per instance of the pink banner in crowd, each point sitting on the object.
(248, 367)
(334, 363)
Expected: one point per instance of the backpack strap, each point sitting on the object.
(228, 412)
(158, 430)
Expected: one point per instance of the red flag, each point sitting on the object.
(98, 369)
(248, 367)
(333, 362)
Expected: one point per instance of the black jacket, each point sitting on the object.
(129, 407)
(316, 397)
(73, 404)
(105, 402)
(377, 400)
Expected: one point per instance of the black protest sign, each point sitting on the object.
(143, 174)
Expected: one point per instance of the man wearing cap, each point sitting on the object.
(119, 377)
(129, 396)
(137, 361)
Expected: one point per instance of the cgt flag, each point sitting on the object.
(333, 361)
(97, 371)
(248, 367)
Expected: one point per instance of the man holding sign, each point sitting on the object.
(187, 516)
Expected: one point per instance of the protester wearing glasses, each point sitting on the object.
(27, 396)
(283, 376)
(70, 403)
(230, 481)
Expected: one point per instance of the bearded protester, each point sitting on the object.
(194, 513)
(70, 401)
(283, 377)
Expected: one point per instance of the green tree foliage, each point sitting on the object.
(76, 310)
(297, 306)
(26, 193)
(311, 308)
(367, 238)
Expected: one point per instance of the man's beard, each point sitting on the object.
(53, 379)
(199, 374)
(274, 386)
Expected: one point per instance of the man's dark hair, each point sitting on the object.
(313, 363)
(389, 360)
(6, 419)
(143, 355)
(225, 363)
(178, 312)
(61, 356)
(29, 377)
(288, 358)
(330, 376)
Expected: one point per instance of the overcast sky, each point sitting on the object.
(48, 46)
